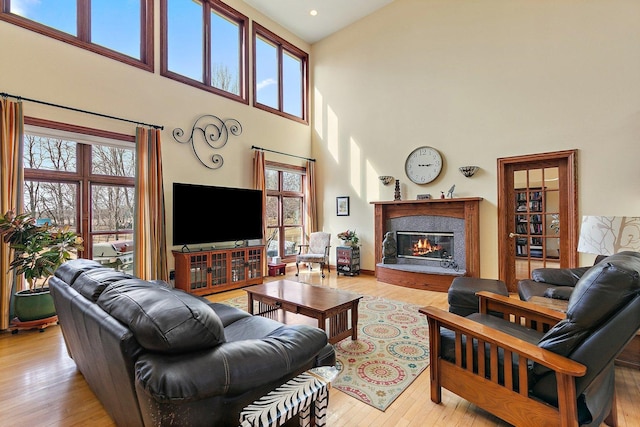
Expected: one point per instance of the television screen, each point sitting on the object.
(208, 214)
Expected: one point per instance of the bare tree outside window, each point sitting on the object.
(56, 184)
(285, 202)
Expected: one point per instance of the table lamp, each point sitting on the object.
(607, 235)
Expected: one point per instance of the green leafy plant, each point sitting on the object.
(349, 236)
(38, 249)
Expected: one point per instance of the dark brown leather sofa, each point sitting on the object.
(156, 356)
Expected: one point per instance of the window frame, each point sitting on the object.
(281, 46)
(82, 40)
(83, 176)
(243, 73)
(280, 193)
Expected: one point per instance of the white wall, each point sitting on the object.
(38, 67)
(478, 80)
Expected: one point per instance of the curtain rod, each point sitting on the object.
(20, 98)
(253, 147)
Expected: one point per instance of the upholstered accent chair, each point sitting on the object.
(536, 366)
(316, 251)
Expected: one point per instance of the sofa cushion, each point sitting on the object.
(92, 283)
(162, 319)
(601, 291)
(69, 271)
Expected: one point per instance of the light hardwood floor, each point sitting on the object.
(40, 386)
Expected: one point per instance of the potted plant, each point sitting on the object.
(349, 238)
(38, 250)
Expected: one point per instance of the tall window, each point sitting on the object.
(119, 29)
(285, 209)
(86, 182)
(280, 81)
(204, 45)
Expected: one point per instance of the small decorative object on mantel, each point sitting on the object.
(424, 196)
(396, 193)
(450, 192)
(386, 179)
(215, 133)
(468, 171)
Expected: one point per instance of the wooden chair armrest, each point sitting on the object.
(456, 323)
(532, 315)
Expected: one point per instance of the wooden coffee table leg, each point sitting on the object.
(250, 302)
(354, 320)
(322, 324)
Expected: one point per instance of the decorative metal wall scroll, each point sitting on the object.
(209, 132)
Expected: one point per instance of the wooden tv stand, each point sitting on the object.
(204, 272)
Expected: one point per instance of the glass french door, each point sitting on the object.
(537, 215)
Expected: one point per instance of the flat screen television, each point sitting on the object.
(207, 214)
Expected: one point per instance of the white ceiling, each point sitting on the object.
(332, 16)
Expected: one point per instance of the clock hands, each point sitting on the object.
(430, 164)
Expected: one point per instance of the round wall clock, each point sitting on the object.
(423, 165)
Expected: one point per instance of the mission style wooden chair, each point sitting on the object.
(539, 367)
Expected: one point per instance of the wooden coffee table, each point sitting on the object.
(331, 307)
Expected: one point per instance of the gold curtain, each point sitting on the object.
(259, 183)
(150, 255)
(11, 181)
(311, 208)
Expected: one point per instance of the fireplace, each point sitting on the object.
(459, 216)
(424, 245)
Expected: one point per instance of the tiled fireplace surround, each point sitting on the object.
(459, 216)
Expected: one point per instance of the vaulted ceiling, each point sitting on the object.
(332, 15)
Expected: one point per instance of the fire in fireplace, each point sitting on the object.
(424, 245)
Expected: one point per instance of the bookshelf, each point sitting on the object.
(533, 224)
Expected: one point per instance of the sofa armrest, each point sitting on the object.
(531, 315)
(230, 368)
(559, 276)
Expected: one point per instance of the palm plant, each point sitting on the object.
(38, 249)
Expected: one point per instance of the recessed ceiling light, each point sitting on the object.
(313, 12)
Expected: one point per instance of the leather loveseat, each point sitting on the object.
(155, 355)
(557, 283)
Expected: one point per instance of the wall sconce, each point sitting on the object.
(386, 179)
(468, 171)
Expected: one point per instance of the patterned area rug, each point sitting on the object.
(391, 351)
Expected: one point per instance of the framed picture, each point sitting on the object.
(342, 206)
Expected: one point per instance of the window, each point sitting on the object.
(204, 45)
(285, 209)
(85, 181)
(280, 81)
(119, 29)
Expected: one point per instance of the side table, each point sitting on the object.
(276, 269)
(348, 260)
